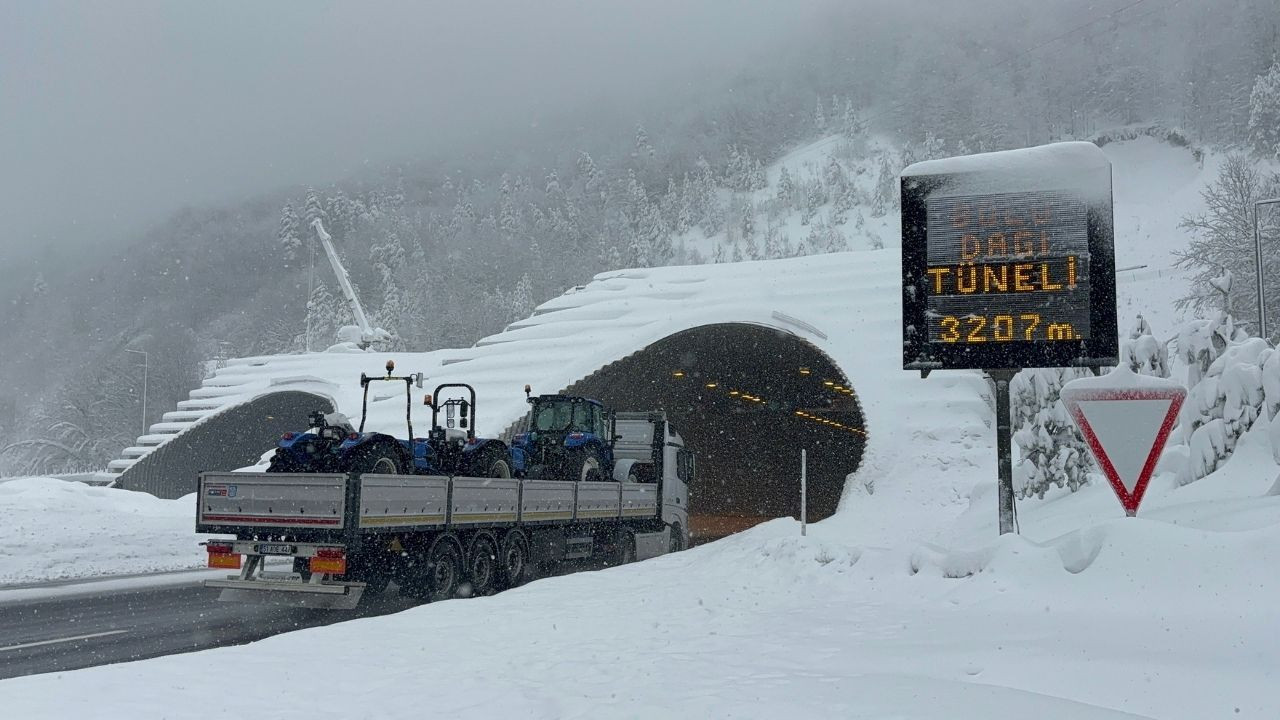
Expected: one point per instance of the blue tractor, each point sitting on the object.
(331, 444)
(568, 438)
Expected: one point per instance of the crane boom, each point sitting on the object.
(367, 333)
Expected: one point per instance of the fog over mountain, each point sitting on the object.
(116, 114)
(160, 162)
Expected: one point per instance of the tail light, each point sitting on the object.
(289, 436)
(576, 436)
(222, 555)
(331, 560)
(353, 436)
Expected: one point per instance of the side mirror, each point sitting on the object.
(417, 380)
(462, 422)
(426, 400)
(527, 390)
(391, 367)
(463, 408)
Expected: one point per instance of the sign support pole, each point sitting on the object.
(1004, 447)
(804, 488)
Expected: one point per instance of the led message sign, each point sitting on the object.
(1008, 260)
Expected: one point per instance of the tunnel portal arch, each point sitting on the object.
(745, 398)
(232, 439)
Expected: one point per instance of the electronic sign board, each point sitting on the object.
(1008, 260)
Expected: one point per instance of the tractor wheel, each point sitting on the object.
(282, 463)
(585, 464)
(499, 467)
(378, 458)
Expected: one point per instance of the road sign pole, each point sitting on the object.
(1004, 447)
(804, 488)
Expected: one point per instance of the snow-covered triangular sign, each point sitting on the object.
(1125, 419)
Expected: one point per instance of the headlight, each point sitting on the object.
(332, 433)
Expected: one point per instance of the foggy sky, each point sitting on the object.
(115, 114)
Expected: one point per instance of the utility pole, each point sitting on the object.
(1257, 260)
(145, 367)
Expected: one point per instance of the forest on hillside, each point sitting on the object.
(447, 249)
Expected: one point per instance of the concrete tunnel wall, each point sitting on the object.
(232, 439)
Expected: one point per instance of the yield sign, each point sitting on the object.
(1125, 419)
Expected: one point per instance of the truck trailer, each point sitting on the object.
(350, 534)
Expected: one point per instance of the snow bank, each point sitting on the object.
(1142, 617)
(56, 530)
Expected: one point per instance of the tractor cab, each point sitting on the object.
(568, 438)
(565, 415)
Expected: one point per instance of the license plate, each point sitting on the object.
(275, 549)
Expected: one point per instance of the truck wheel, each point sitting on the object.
(624, 550)
(677, 538)
(482, 566)
(618, 547)
(378, 458)
(513, 559)
(444, 570)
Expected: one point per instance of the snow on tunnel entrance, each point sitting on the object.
(746, 399)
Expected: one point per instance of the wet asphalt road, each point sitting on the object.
(65, 633)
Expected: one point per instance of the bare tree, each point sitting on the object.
(1222, 240)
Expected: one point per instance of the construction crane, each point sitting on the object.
(368, 333)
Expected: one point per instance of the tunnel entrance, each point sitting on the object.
(746, 399)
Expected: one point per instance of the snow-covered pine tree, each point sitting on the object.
(1051, 448)
(643, 148)
(835, 240)
(588, 172)
(773, 248)
(819, 116)
(814, 198)
(850, 122)
(326, 317)
(786, 188)
(521, 299)
(552, 188)
(288, 234)
(1143, 353)
(313, 208)
(685, 217)
(886, 193)
(758, 179)
(1264, 112)
(718, 255)
(747, 228)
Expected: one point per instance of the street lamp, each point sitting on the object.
(145, 364)
(1257, 260)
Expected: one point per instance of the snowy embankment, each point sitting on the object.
(1086, 615)
(54, 529)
